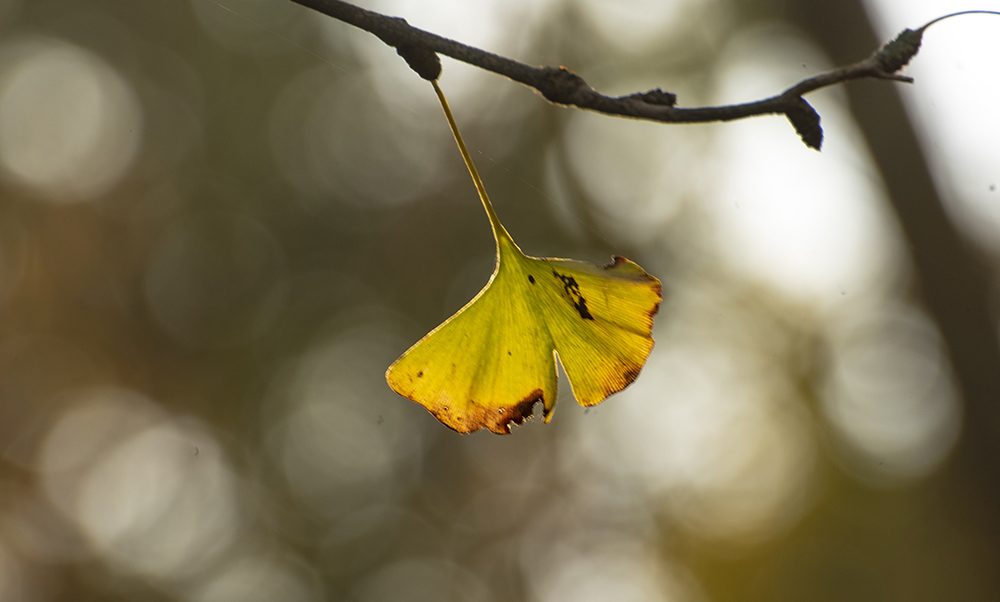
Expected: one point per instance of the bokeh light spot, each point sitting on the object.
(636, 176)
(346, 438)
(713, 436)
(258, 578)
(422, 580)
(811, 225)
(891, 397)
(69, 124)
(633, 25)
(592, 567)
(152, 494)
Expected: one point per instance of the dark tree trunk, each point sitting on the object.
(953, 282)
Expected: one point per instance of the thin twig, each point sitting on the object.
(562, 86)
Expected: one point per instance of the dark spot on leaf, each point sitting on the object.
(508, 352)
(531, 279)
(630, 374)
(420, 374)
(573, 292)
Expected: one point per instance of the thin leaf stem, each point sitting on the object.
(499, 232)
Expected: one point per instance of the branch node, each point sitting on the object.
(560, 85)
(653, 97)
(421, 59)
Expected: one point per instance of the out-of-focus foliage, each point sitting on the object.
(220, 220)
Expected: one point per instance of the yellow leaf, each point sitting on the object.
(489, 364)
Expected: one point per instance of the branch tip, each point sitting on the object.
(896, 54)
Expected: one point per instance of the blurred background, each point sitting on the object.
(221, 220)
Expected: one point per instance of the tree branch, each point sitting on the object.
(562, 86)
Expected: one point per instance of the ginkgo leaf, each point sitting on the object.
(489, 364)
